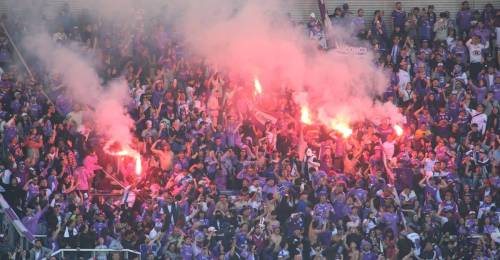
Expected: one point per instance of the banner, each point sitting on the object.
(262, 117)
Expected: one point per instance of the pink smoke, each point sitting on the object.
(107, 113)
(256, 41)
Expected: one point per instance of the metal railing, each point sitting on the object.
(16, 50)
(124, 253)
(17, 235)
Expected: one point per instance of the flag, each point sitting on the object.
(322, 10)
(263, 117)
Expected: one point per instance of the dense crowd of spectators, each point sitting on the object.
(218, 185)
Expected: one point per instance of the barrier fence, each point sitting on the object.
(93, 253)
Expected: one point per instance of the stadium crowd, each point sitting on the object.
(218, 184)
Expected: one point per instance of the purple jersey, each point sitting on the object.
(187, 252)
(322, 210)
(449, 206)
(391, 219)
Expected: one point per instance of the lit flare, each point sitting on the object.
(129, 152)
(258, 86)
(305, 116)
(342, 127)
(398, 129)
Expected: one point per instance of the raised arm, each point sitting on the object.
(469, 42)
(27, 185)
(153, 147)
(390, 173)
(417, 112)
(423, 181)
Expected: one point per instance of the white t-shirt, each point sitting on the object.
(475, 51)
(415, 238)
(153, 234)
(6, 176)
(491, 79)
(480, 119)
(429, 164)
(77, 117)
(404, 78)
(408, 197)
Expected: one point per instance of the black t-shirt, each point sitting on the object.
(450, 227)
(443, 132)
(87, 240)
(335, 251)
(404, 246)
(427, 255)
(283, 143)
(353, 238)
(87, 36)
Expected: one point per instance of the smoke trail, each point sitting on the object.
(108, 113)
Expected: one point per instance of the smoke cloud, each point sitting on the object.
(247, 39)
(107, 114)
(256, 38)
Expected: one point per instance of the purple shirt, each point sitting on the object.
(496, 92)
(31, 222)
(480, 93)
(322, 210)
(463, 19)
(484, 34)
(399, 18)
(461, 50)
(99, 227)
(9, 133)
(425, 29)
(449, 206)
(63, 105)
(368, 255)
(434, 191)
(391, 219)
(187, 252)
(358, 24)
